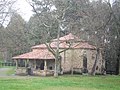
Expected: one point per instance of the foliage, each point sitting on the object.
(17, 40)
(1, 60)
(37, 31)
(63, 82)
(112, 48)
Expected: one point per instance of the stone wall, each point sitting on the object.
(73, 59)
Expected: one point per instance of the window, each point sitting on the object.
(42, 66)
(50, 67)
(85, 64)
(97, 68)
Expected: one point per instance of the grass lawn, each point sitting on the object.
(65, 82)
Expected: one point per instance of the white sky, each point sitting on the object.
(24, 9)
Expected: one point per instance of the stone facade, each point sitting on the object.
(73, 59)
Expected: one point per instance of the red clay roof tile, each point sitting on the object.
(39, 54)
(41, 51)
(70, 36)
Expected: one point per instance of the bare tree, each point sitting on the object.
(5, 10)
(48, 14)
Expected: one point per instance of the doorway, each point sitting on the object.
(85, 64)
(42, 66)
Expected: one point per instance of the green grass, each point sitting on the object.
(66, 82)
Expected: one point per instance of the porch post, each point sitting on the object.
(45, 67)
(35, 64)
(16, 64)
(28, 62)
(72, 60)
(25, 63)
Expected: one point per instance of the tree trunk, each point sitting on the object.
(57, 54)
(95, 63)
(119, 66)
(72, 60)
(56, 68)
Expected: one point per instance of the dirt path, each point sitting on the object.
(3, 71)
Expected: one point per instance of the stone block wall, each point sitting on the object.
(73, 59)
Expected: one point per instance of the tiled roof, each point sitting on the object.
(53, 45)
(63, 45)
(70, 36)
(83, 45)
(39, 46)
(39, 54)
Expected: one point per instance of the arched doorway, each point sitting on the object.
(42, 66)
(85, 64)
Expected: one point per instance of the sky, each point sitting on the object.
(24, 9)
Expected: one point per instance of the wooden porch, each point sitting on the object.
(35, 67)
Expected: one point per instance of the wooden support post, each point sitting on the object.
(25, 63)
(28, 62)
(45, 67)
(72, 61)
(35, 64)
(16, 64)
(26, 66)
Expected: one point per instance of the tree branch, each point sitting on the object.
(112, 12)
(66, 48)
(50, 49)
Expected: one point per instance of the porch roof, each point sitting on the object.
(39, 54)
